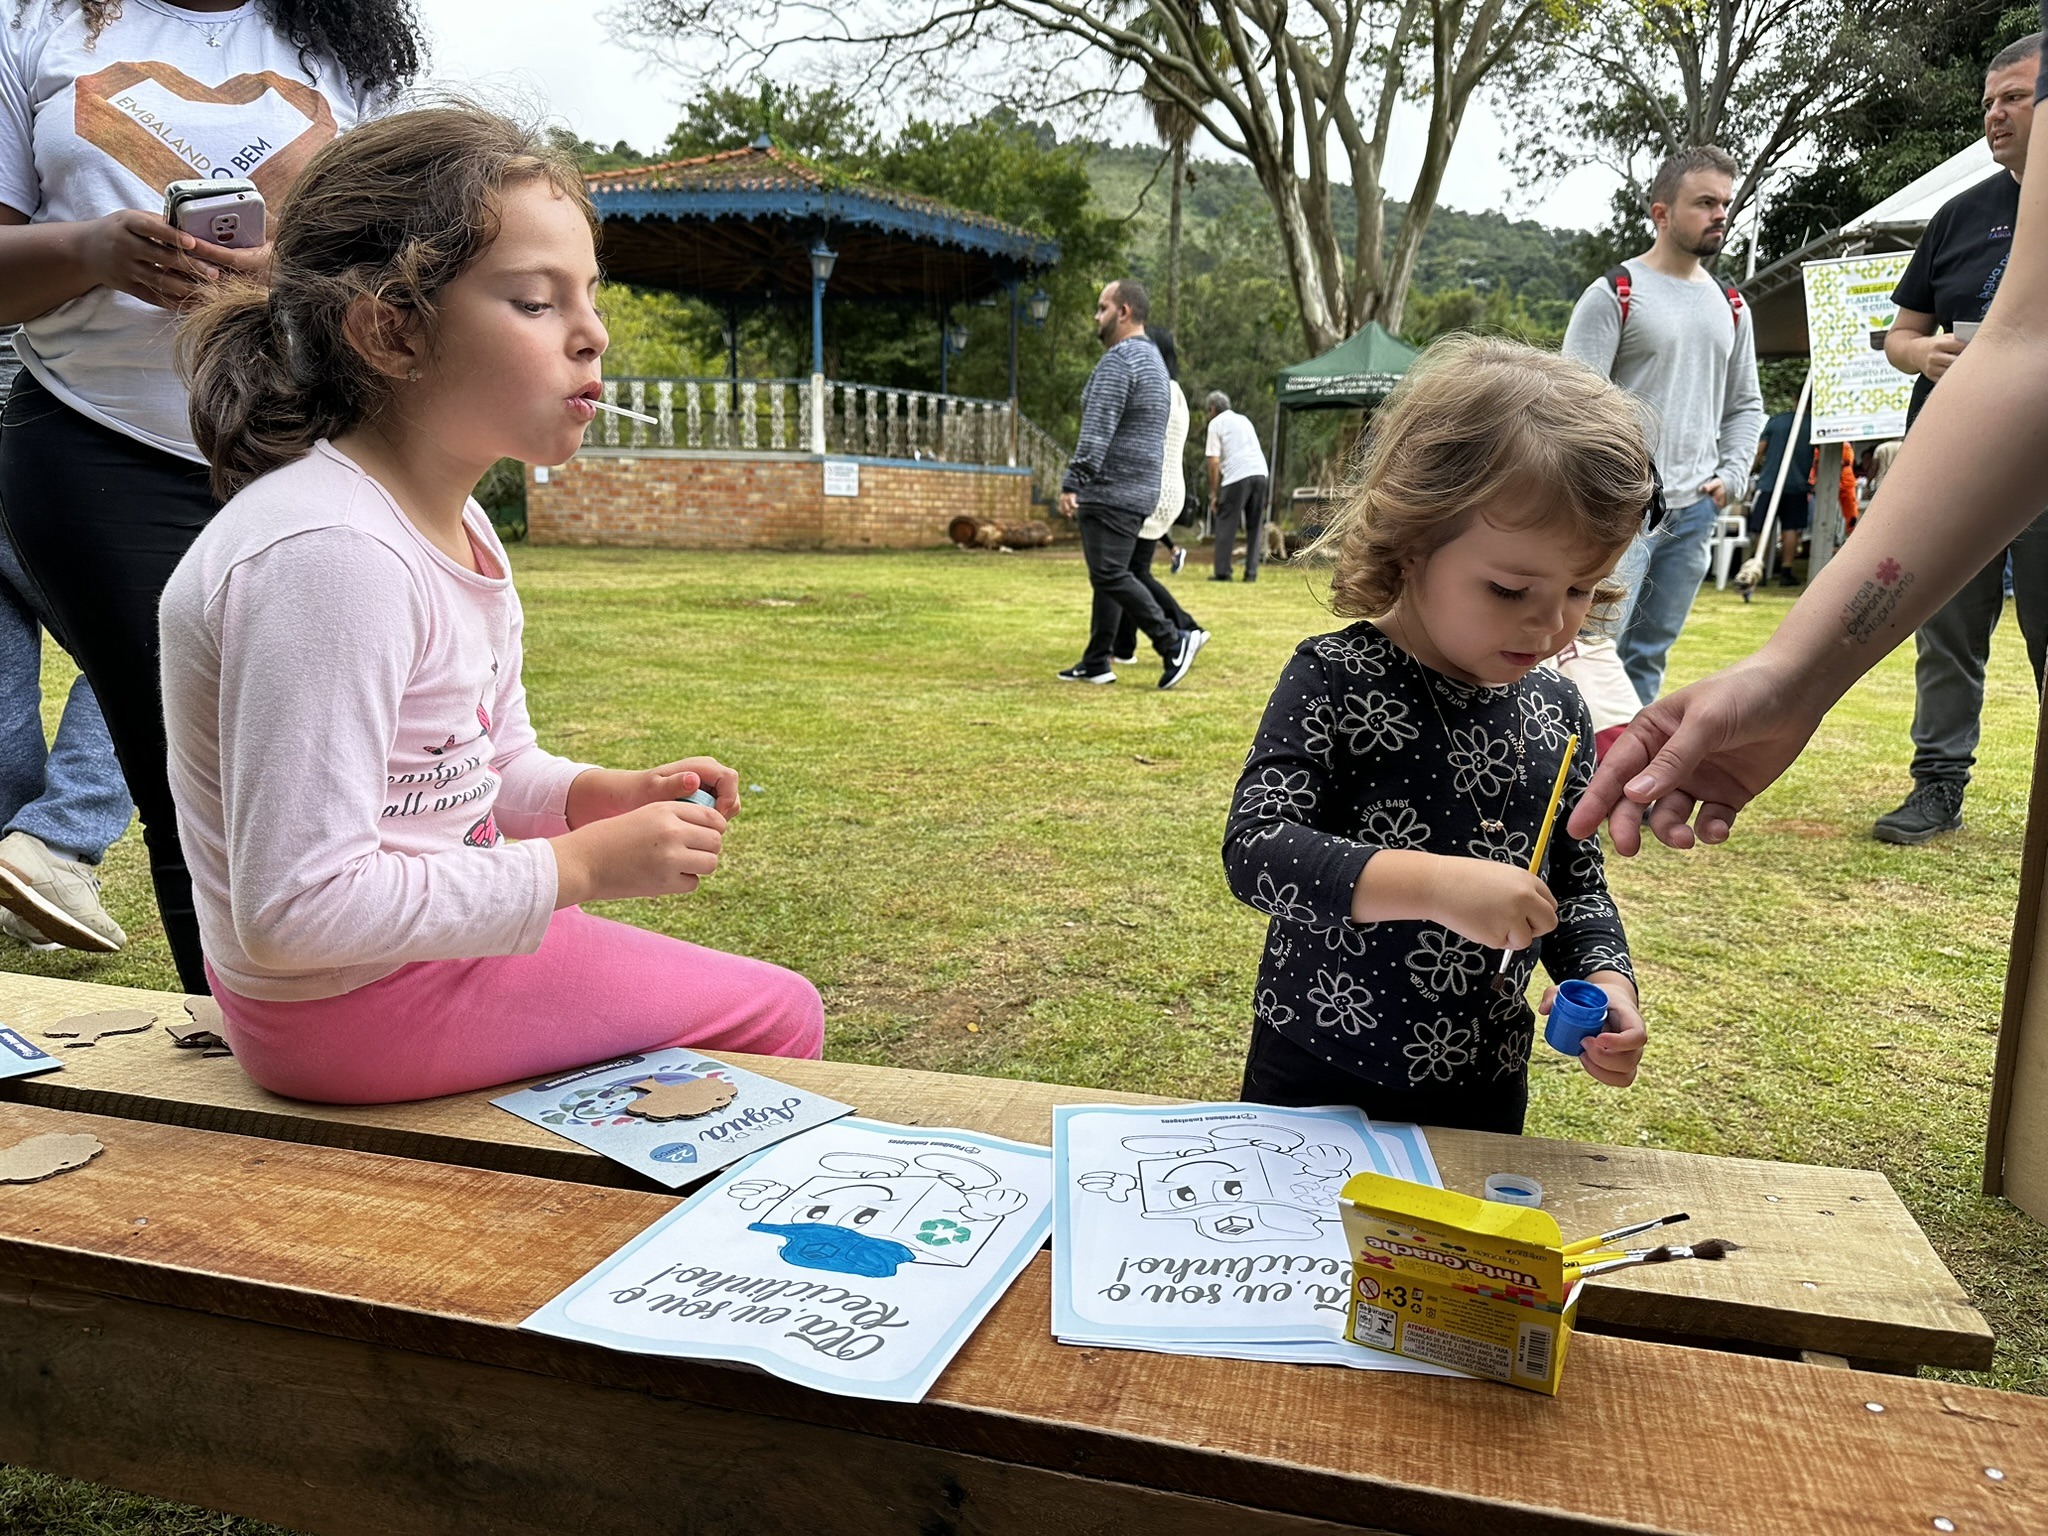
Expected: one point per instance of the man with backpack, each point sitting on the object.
(1666, 330)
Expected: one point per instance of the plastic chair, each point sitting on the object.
(1731, 537)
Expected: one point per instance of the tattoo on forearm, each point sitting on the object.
(1867, 613)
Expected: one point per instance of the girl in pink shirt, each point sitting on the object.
(349, 744)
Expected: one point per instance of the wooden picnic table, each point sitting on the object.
(309, 1314)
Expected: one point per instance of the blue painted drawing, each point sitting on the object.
(868, 1214)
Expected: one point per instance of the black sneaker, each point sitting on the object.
(1225, 576)
(1180, 558)
(1934, 807)
(1182, 660)
(1081, 672)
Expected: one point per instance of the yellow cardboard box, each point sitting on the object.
(1471, 1284)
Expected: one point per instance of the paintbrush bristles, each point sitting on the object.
(1712, 1248)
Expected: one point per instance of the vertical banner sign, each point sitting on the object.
(1857, 394)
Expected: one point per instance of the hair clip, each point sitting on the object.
(1654, 513)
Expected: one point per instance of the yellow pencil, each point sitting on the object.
(1571, 749)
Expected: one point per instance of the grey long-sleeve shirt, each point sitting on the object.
(1116, 463)
(1691, 360)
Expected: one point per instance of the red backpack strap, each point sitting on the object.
(1734, 296)
(1618, 280)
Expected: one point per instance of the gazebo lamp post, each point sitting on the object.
(822, 259)
(953, 339)
(1037, 307)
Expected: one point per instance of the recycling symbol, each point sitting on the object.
(941, 1232)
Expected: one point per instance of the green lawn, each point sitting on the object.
(987, 871)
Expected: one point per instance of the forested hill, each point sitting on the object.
(1534, 261)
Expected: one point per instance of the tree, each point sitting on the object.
(1303, 95)
(1763, 79)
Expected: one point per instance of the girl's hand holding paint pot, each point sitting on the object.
(598, 793)
(1615, 1054)
(663, 849)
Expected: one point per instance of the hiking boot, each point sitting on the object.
(1934, 807)
(57, 897)
(1183, 658)
(1081, 672)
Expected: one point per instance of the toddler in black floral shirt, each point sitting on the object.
(1395, 791)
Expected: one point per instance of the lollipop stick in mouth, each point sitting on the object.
(620, 410)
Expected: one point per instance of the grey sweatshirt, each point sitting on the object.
(1116, 463)
(1689, 358)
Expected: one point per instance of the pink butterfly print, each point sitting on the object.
(483, 716)
(445, 746)
(485, 833)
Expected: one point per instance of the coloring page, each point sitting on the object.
(854, 1259)
(674, 1115)
(1210, 1224)
(18, 1058)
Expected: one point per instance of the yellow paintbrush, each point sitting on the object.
(1571, 748)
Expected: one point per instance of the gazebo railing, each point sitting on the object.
(773, 416)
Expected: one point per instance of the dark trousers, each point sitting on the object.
(1241, 500)
(1280, 1072)
(1955, 645)
(1108, 540)
(1141, 567)
(100, 521)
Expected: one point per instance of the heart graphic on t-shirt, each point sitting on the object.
(165, 126)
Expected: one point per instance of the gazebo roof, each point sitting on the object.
(738, 226)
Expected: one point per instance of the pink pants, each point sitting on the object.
(593, 989)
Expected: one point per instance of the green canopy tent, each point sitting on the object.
(1354, 375)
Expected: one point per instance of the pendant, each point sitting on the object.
(213, 42)
(1493, 828)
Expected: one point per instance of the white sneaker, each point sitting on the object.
(58, 898)
(21, 933)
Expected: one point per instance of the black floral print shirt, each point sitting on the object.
(1350, 758)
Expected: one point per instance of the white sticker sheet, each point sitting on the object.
(593, 1107)
(855, 1259)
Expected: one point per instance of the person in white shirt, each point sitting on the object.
(1237, 486)
(101, 107)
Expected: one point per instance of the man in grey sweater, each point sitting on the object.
(1663, 328)
(1112, 485)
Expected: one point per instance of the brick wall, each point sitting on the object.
(680, 500)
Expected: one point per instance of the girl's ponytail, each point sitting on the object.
(389, 214)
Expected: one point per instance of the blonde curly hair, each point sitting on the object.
(1483, 425)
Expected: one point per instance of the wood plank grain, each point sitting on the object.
(445, 1261)
(330, 1435)
(1831, 1260)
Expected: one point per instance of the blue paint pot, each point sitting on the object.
(1578, 1010)
(701, 797)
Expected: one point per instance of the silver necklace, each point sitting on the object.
(1495, 825)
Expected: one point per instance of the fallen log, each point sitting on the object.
(980, 533)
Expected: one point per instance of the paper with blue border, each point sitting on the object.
(1213, 1229)
(20, 1058)
(855, 1259)
(589, 1107)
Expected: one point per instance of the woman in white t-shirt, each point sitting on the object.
(102, 104)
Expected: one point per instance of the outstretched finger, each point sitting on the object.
(1625, 827)
(1715, 821)
(1671, 820)
(1604, 797)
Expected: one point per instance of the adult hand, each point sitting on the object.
(598, 793)
(253, 262)
(1938, 354)
(1501, 906)
(1711, 748)
(1069, 504)
(658, 850)
(1715, 490)
(139, 254)
(1615, 1054)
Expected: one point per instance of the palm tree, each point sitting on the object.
(1175, 125)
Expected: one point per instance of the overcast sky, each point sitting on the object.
(558, 57)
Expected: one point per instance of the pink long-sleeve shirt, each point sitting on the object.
(349, 743)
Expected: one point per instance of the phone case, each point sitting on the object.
(222, 211)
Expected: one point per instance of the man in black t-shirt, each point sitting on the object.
(1949, 283)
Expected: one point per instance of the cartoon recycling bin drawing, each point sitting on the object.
(867, 1214)
(1250, 1183)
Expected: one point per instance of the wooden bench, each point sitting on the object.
(309, 1314)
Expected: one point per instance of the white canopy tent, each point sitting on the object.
(1776, 294)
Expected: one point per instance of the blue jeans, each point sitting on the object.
(1662, 571)
(70, 793)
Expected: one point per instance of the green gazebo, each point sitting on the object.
(1355, 375)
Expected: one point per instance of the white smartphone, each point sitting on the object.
(1965, 329)
(225, 211)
